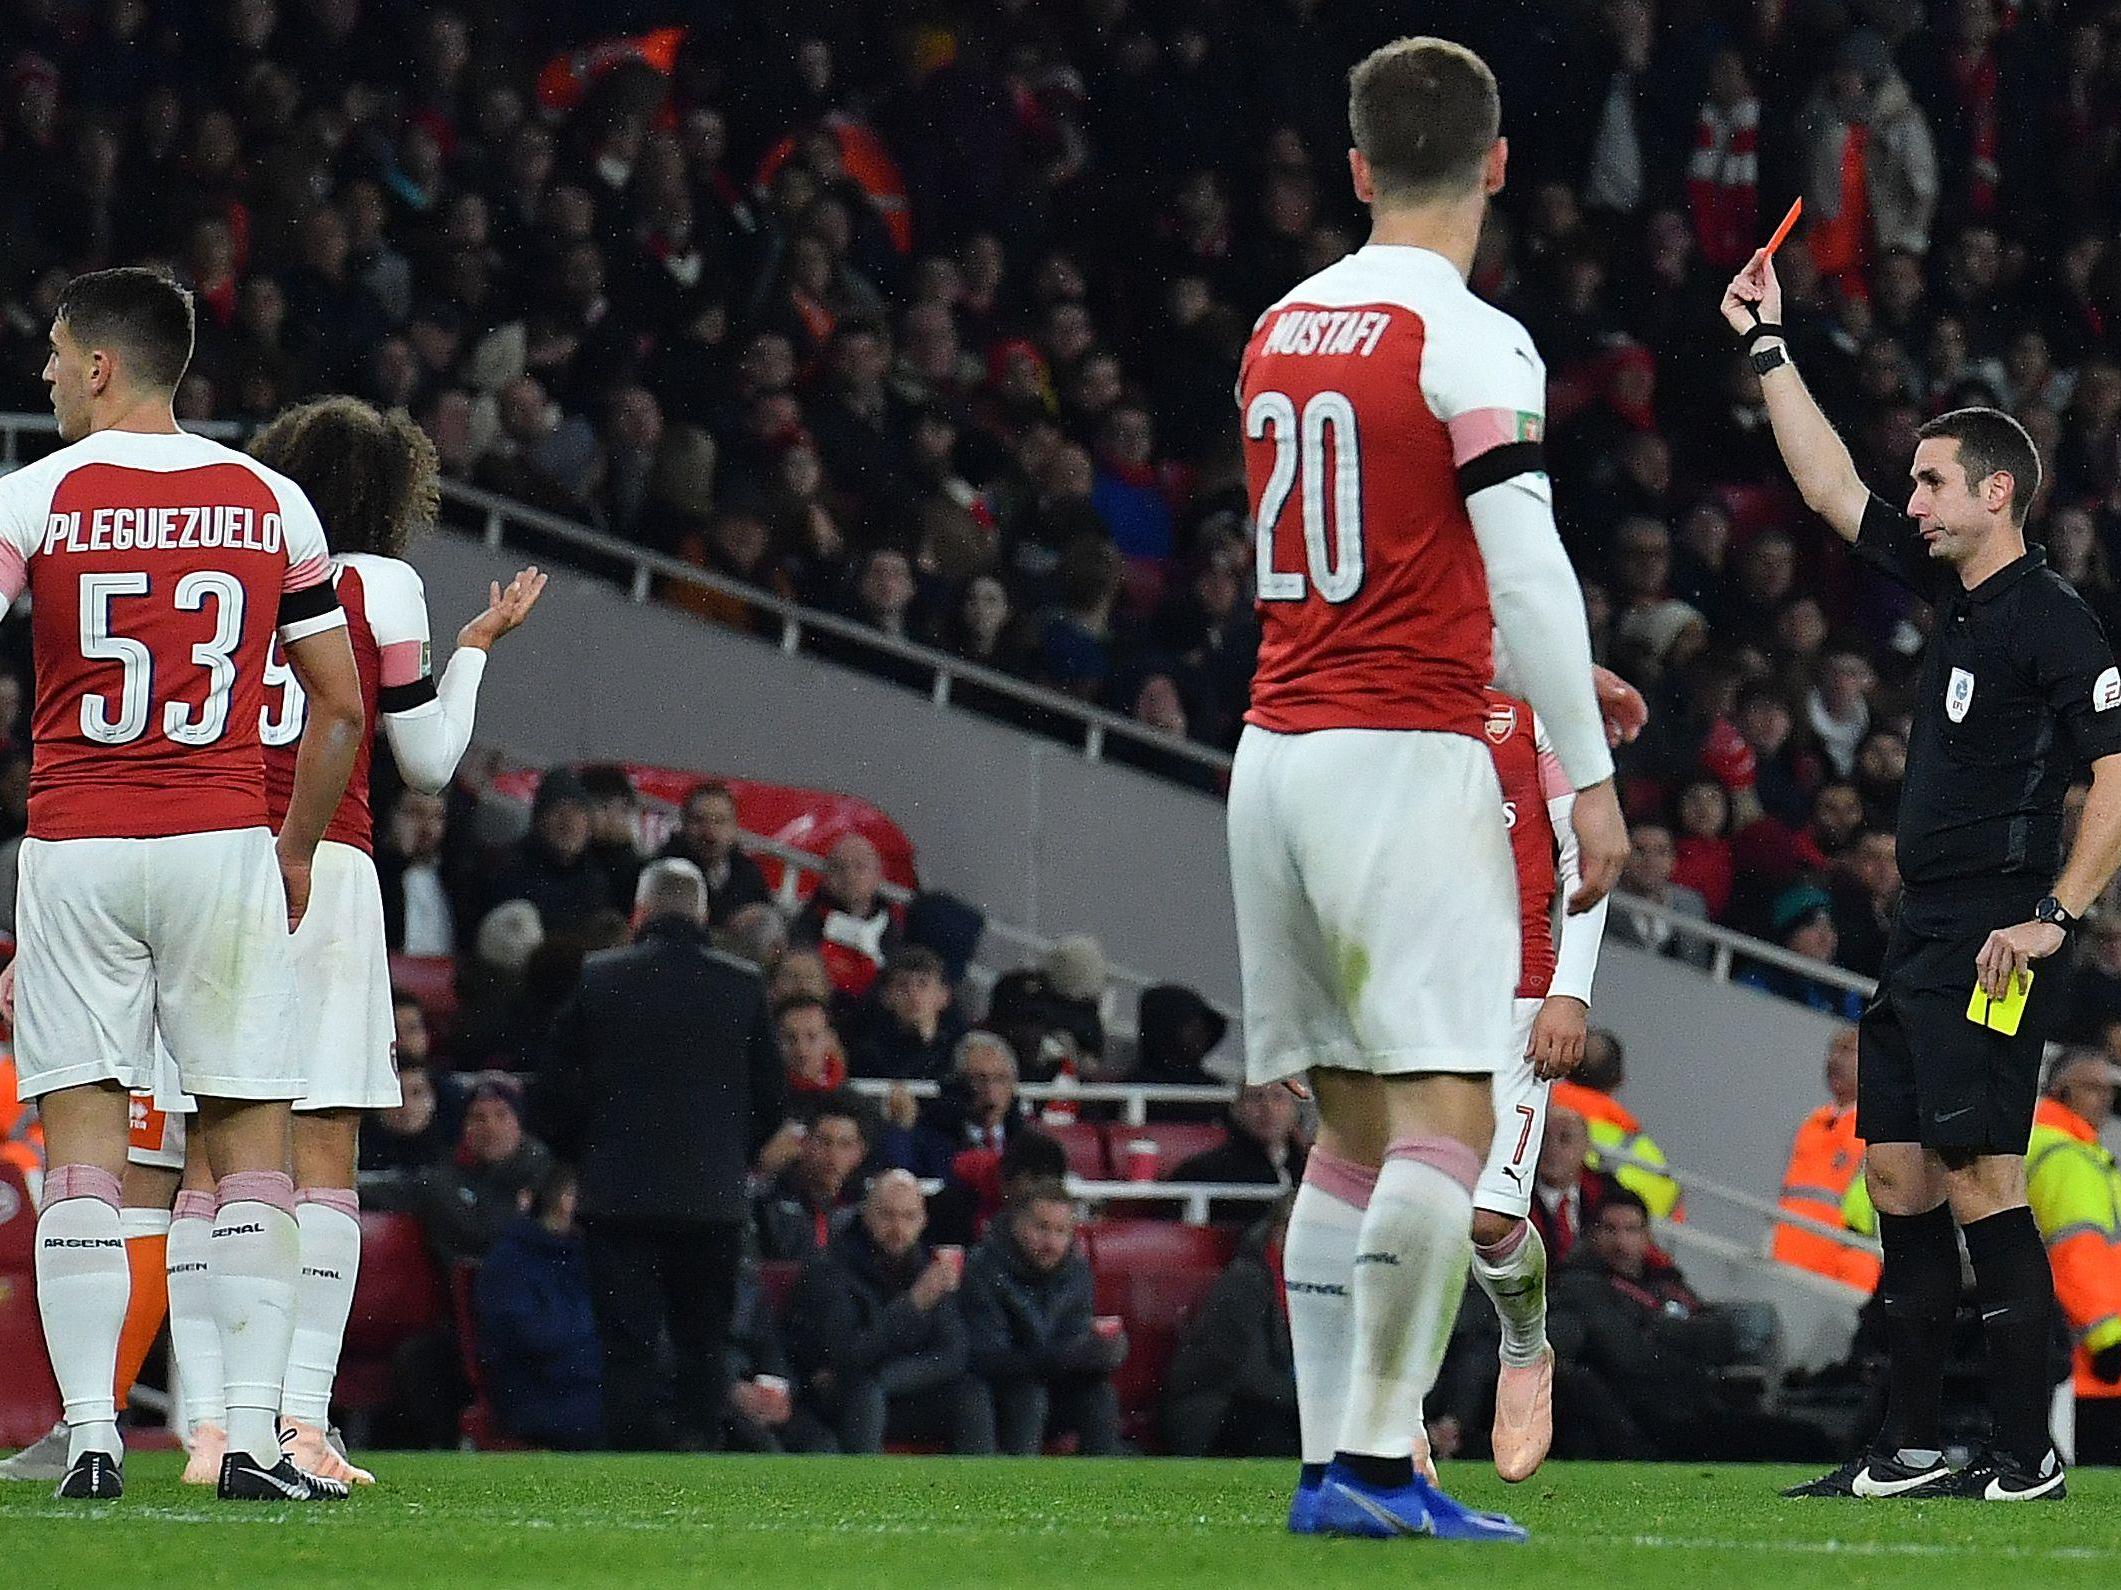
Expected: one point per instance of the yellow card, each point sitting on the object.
(2001, 1015)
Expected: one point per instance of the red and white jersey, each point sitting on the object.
(1364, 392)
(158, 567)
(1531, 776)
(386, 619)
(1538, 805)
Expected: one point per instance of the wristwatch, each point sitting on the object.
(2050, 910)
(1768, 359)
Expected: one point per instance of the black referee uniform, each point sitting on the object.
(2019, 692)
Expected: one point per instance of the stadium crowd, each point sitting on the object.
(930, 316)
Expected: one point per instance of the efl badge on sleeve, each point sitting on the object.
(1502, 721)
(2106, 693)
(1958, 695)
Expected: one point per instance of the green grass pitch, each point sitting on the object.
(468, 1521)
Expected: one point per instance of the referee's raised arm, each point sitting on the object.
(1814, 453)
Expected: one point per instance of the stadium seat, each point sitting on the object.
(397, 1296)
(29, 1399)
(432, 980)
(1176, 1141)
(1084, 1144)
(18, 1223)
(1152, 1274)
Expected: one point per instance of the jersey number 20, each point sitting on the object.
(181, 722)
(1300, 459)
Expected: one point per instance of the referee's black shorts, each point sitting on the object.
(1928, 1075)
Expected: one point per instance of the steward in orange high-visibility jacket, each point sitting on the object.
(1825, 1160)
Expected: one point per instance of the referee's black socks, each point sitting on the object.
(2016, 1291)
(1919, 1293)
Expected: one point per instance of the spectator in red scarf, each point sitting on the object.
(810, 1046)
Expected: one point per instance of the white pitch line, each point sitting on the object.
(1840, 1548)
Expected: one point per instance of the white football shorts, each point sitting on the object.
(1505, 1184)
(1376, 902)
(185, 935)
(344, 1037)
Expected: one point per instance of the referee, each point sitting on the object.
(2018, 691)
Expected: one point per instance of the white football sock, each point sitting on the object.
(1318, 1263)
(1410, 1274)
(330, 1224)
(252, 1256)
(83, 1285)
(194, 1334)
(1514, 1275)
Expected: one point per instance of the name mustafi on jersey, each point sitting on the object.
(1302, 331)
(239, 529)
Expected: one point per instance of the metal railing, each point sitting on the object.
(1023, 940)
(1726, 946)
(1092, 729)
(1133, 1098)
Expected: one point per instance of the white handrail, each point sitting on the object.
(496, 514)
(1194, 1197)
(898, 894)
(1752, 1203)
(1134, 1098)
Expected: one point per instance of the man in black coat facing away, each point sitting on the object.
(662, 1083)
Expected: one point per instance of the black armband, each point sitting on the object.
(1499, 464)
(312, 601)
(1757, 330)
(403, 698)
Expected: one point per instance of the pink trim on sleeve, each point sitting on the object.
(1553, 782)
(310, 571)
(404, 662)
(1480, 431)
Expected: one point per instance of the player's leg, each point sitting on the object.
(1510, 1263)
(1986, 1092)
(1918, 1285)
(148, 1190)
(328, 1218)
(2015, 1291)
(1294, 1022)
(343, 1030)
(1420, 961)
(82, 1277)
(225, 1007)
(84, 1025)
(194, 1331)
(1988, 1086)
(1409, 1271)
